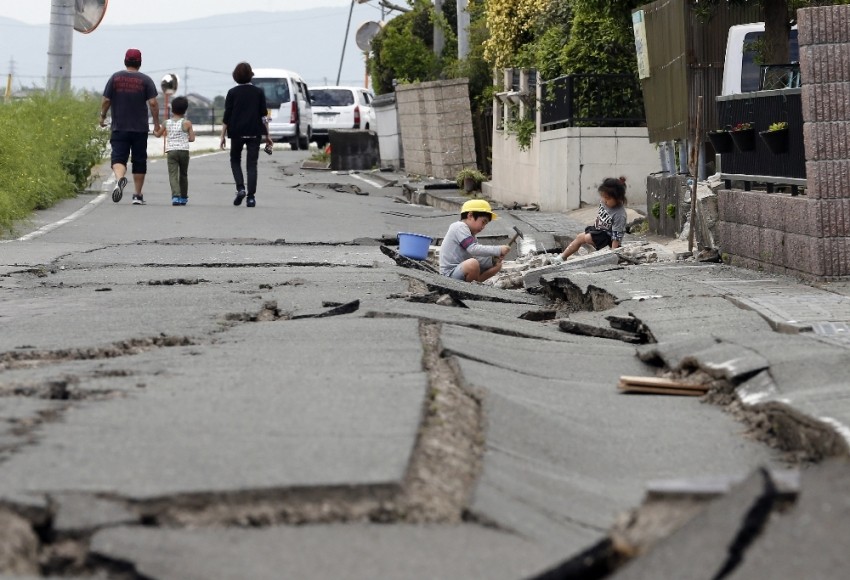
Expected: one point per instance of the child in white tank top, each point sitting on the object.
(178, 133)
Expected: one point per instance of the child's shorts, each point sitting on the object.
(486, 263)
(601, 238)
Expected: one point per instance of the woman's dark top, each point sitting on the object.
(244, 111)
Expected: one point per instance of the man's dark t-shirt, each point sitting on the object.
(129, 93)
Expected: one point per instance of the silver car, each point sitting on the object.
(340, 108)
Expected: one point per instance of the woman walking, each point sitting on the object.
(246, 124)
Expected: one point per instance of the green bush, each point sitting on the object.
(48, 147)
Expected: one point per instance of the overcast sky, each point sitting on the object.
(130, 11)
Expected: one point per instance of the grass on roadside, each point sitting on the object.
(48, 147)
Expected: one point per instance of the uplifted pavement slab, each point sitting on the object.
(351, 551)
(225, 253)
(708, 543)
(237, 416)
(808, 539)
(66, 308)
(788, 306)
(565, 451)
(462, 290)
(497, 322)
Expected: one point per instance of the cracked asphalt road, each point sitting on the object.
(158, 422)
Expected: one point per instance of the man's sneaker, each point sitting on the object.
(138, 199)
(118, 192)
(175, 200)
(240, 195)
(184, 200)
(250, 202)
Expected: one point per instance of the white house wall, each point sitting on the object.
(564, 167)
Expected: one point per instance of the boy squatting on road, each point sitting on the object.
(178, 133)
(461, 256)
(610, 226)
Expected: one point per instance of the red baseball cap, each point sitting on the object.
(133, 54)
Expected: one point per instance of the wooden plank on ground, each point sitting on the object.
(660, 386)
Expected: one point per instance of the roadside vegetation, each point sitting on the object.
(48, 147)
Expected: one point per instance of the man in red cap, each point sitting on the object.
(127, 92)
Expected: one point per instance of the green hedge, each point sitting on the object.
(48, 147)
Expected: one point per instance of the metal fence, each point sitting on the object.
(591, 100)
(761, 110)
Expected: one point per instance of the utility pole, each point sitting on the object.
(439, 39)
(60, 45)
(462, 29)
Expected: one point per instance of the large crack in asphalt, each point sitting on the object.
(28, 358)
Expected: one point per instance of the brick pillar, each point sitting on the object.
(824, 37)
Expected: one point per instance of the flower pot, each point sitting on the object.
(744, 140)
(721, 141)
(470, 184)
(776, 141)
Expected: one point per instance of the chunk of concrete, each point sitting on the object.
(705, 544)
(808, 540)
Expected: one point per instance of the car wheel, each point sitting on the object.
(303, 142)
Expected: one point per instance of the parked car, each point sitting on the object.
(341, 108)
(741, 72)
(290, 110)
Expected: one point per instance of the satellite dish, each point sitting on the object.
(366, 33)
(169, 84)
(88, 14)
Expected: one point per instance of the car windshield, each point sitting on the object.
(276, 90)
(332, 97)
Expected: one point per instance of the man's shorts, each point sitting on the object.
(601, 238)
(125, 143)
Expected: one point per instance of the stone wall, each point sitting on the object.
(808, 235)
(435, 120)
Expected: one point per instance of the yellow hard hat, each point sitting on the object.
(478, 205)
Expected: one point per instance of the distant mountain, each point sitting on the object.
(309, 42)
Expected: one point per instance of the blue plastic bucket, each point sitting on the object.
(413, 246)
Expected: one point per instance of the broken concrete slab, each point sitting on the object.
(327, 427)
(719, 358)
(406, 262)
(531, 278)
(552, 460)
(581, 329)
(80, 513)
(807, 539)
(354, 551)
(465, 290)
(713, 540)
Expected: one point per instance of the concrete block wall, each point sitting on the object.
(435, 121)
(809, 235)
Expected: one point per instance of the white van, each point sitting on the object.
(740, 71)
(288, 100)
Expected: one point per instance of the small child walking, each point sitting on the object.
(610, 226)
(461, 256)
(178, 133)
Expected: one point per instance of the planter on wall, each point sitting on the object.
(721, 141)
(776, 141)
(744, 140)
